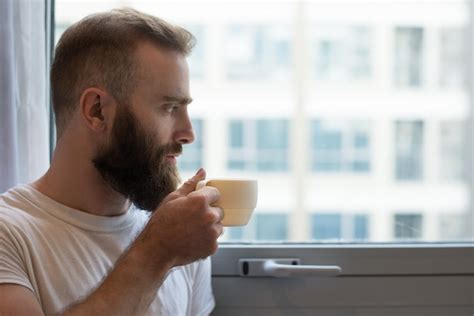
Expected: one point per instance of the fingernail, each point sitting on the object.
(199, 172)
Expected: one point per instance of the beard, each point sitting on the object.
(135, 166)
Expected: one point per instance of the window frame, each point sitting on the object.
(376, 279)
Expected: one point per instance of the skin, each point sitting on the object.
(182, 230)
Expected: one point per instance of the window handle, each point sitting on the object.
(286, 267)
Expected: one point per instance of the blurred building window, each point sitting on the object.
(453, 57)
(191, 159)
(258, 52)
(408, 56)
(271, 226)
(408, 226)
(258, 145)
(453, 152)
(409, 150)
(455, 226)
(196, 59)
(340, 146)
(342, 53)
(336, 226)
(360, 227)
(263, 227)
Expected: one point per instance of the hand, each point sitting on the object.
(185, 227)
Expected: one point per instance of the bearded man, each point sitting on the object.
(107, 231)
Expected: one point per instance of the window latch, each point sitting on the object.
(286, 267)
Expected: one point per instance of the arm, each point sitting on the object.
(18, 300)
(183, 229)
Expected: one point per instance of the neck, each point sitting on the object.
(73, 180)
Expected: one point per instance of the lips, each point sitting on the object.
(171, 157)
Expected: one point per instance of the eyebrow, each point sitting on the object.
(180, 100)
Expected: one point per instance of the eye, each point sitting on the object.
(170, 107)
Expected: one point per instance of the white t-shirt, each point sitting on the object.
(62, 254)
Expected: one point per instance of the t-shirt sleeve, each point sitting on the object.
(12, 269)
(202, 300)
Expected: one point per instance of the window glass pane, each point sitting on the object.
(454, 226)
(235, 233)
(342, 53)
(262, 227)
(408, 56)
(191, 159)
(340, 146)
(408, 226)
(197, 58)
(361, 227)
(326, 226)
(272, 145)
(271, 226)
(353, 124)
(236, 134)
(453, 53)
(453, 153)
(409, 150)
(258, 145)
(257, 51)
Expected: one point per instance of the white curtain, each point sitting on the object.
(24, 114)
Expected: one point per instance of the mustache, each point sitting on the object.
(173, 148)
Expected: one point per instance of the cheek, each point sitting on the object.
(161, 133)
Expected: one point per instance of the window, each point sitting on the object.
(409, 150)
(262, 227)
(348, 113)
(452, 150)
(336, 226)
(258, 77)
(191, 159)
(197, 60)
(408, 56)
(326, 226)
(408, 226)
(260, 145)
(258, 52)
(342, 53)
(454, 226)
(340, 146)
(453, 58)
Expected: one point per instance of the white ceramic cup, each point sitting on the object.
(238, 199)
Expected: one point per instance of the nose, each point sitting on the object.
(184, 133)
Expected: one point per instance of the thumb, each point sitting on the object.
(190, 184)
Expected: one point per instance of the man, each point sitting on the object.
(70, 242)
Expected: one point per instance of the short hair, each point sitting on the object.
(98, 51)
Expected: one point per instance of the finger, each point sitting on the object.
(190, 184)
(220, 229)
(220, 212)
(210, 194)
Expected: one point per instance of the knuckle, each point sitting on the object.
(214, 248)
(173, 195)
(216, 193)
(199, 201)
(220, 213)
(216, 232)
(190, 182)
(210, 217)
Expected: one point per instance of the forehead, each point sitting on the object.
(165, 70)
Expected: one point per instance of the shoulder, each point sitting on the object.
(16, 211)
(12, 207)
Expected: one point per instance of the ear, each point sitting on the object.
(97, 109)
